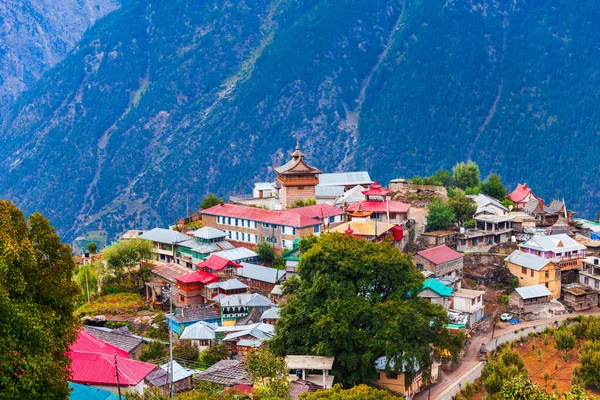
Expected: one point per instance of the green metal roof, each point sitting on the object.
(437, 287)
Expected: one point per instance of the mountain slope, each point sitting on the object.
(36, 34)
(193, 97)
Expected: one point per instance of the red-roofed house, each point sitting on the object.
(250, 225)
(93, 363)
(192, 287)
(441, 260)
(378, 202)
(98, 370)
(218, 265)
(521, 196)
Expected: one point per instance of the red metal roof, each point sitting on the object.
(87, 342)
(440, 254)
(376, 190)
(99, 369)
(520, 192)
(379, 206)
(197, 277)
(296, 217)
(217, 263)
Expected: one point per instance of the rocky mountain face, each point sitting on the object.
(164, 100)
(36, 34)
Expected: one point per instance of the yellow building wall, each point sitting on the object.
(538, 278)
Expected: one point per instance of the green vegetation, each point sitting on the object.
(352, 302)
(209, 201)
(186, 351)
(125, 255)
(493, 187)
(269, 374)
(440, 216)
(266, 252)
(92, 247)
(304, 203)
(214, 353)
(37, 297)
(564, 339)
(153, 351)
(113, 304)
(496, 372)
(465, 175)
(463, 207)
(360, 392)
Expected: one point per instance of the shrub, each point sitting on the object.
(113, 304)
(216, 352)
(564, 339)
(186, 351)
(153, 351)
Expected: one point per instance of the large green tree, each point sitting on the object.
(355, 301)
(37, 296)
(126, 254)
(463, 207)
(493, 187)
(466, 175)
(440, 216)
(209, 201)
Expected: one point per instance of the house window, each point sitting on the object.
(547, 274)
(316, 229)
(392, 375)
(473, 301)
(596, 284)
(546, 284)
(235, 221)
(218, 220)
(524, 270)
(255, 225)
(331, 220)
(531, 272)
(274, 240)
(228, 220)
(293, 231)
(283, 242)
(237, 236)
(265, 225)
(255, 238)
(243, 237)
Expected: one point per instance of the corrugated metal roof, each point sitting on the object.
(271, 313)
(345, 179)
(554, 243)
(208, 232)
(437, 287)
(440, 254)
(532, 292)
(85, 392)
(199, 331)
(161, 235)
(530, 261)
(261, 273)
(237, 254)
(99, 369)
(329, 191)
(380, 206)
(246, 299)
(229, 284)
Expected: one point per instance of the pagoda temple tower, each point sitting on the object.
(297, 179)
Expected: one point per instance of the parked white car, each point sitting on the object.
(506, 317)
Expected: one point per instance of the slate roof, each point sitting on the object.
(530, 261)
(124, 342)
(438, 287)
(169, 271)
(195, 314)
(440, 254)
(168, 236)
(261, 273)
(555, 243)
(532, 292)
(555, 207)
(533, 206)
(345, 179)
(227, 373)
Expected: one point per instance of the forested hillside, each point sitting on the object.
(161, 99)
(36, 34)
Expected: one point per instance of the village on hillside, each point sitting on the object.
(494, 262)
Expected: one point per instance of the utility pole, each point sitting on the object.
(117, 375)
(87, 288)
(171, 342)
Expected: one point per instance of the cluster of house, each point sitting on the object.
(222, 293)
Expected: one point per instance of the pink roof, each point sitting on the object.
(296, 217)
(520, 192)
(376, 190)
(197, 277)
(379, 206)
(88, 343)
(99, 369)
(217, 263)
(440, 254)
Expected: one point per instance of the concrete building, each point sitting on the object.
(394, 377)
(469, 302)
(530, 298)
(569, 252)
(533, 270)
(589, 275)
(441, 260)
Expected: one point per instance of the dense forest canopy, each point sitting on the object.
(165, 100)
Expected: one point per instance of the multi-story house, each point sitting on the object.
(441, 260)
(382, 207)
(589, 275)
(250, 225)
(469, 302)
(532, 270)
(562, 247)
(164, 242)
